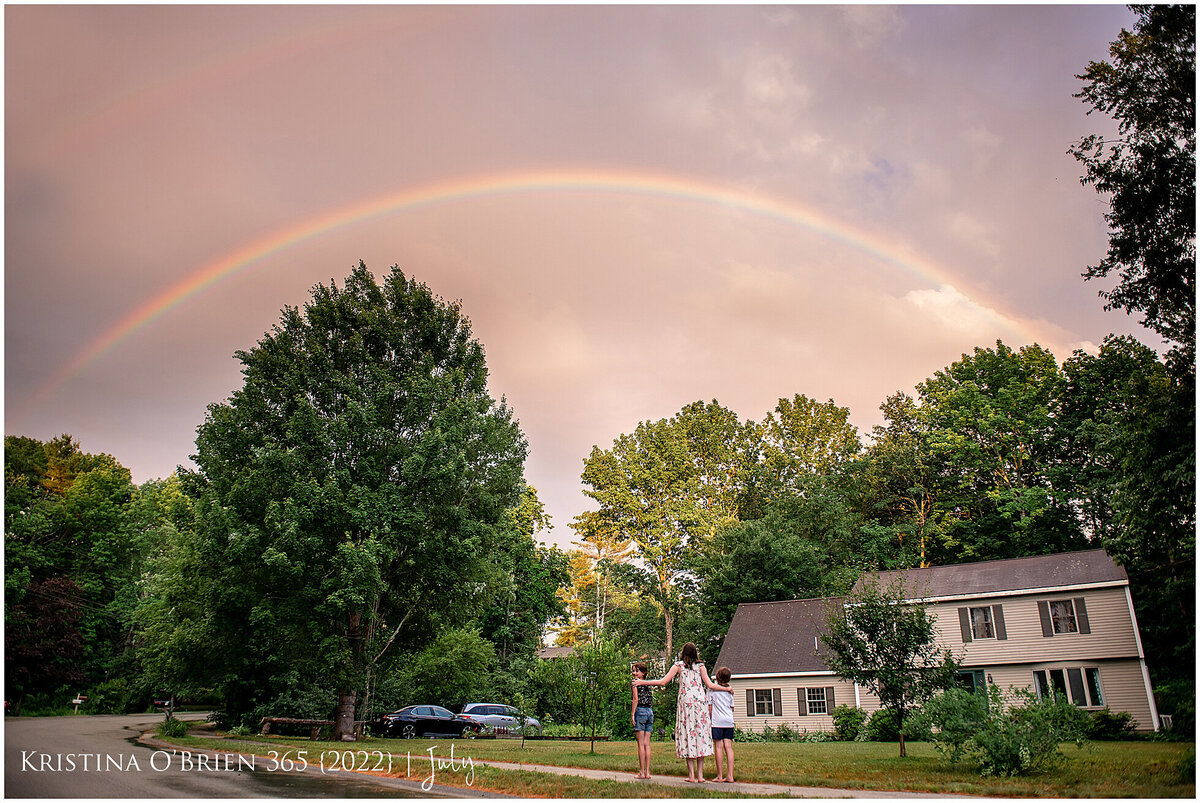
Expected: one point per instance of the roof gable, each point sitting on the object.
(777, 637)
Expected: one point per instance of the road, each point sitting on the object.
(100, 757)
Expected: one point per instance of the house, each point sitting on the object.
(1062, 622)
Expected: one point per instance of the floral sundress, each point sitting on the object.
(693, 733)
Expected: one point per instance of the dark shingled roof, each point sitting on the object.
(776, 637)
(1014, 574)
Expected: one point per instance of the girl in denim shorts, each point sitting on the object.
(642, 716)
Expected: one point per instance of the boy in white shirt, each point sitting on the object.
(720, 714)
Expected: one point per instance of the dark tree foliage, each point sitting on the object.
(350, 493)
(43, 647)
(1149, 172)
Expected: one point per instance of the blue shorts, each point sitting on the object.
(643, 719)
(722, 734)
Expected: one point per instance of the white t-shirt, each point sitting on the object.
(722, 708)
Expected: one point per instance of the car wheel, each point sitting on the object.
(469, 733)
(408, 731)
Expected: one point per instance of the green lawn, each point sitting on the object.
(1099, 769)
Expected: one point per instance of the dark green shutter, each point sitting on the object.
(749, 702)
(802, 701)
(964, 622)
(777, 698)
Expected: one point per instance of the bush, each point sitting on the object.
(1105, 725)
(786, 734)
(1178, 698)
(951, 720)
(740, 735)
(882, 726)
(1025, 739)
(848, 722)
(109, 697)
(172, 727)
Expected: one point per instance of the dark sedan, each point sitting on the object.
(424, 720)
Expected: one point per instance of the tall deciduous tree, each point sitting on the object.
(802, 437)
(879, 639)
(1149, 172)
(668, 486)
(349, 492)
(992, 428)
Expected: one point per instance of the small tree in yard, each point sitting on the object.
(879, 640)
(590, 679)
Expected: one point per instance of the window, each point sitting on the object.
(1062, 617)
(1093, 682)
(972, 680)
(981, 623)
(816, 701)
(1080, 685)
(764, 704)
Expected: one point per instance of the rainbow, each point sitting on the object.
(481, 186)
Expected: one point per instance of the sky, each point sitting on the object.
(637, 207)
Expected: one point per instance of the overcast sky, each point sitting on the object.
(637, 207)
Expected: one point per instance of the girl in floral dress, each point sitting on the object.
(693, 735)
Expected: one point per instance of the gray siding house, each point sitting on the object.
(1053, 622)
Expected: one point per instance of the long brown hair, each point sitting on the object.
(689, 655)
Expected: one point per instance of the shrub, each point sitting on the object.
(1025, 739)
(951, 720)
(786, 734)
(740, 735)
(882, 726)
(848, 722)
(172, 727)
(817, 736)
(109, 697)
(1105, 725)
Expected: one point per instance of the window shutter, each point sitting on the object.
(777, 698)
(802, 701)
(998, 620)
(749, 702)
(1081, 616)
(829, 699)
(1044, 613)
(964, 622)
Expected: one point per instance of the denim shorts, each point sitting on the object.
(643, 719)
(721, 734)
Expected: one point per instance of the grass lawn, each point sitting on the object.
(1099, 769)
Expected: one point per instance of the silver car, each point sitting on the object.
(501, 718)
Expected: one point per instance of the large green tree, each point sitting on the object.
(1149, 171)
(670, 485)
(349, 493)
(991, 425)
